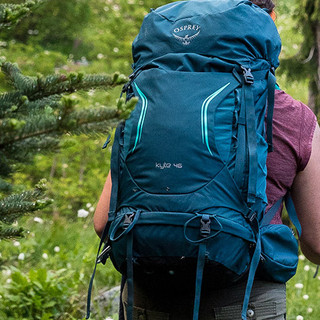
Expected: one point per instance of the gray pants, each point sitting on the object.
(160, 298)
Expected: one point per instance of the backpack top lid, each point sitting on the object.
(236, 31)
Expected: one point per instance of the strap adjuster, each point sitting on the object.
(205, 229)
(248, 77)
(128, 218)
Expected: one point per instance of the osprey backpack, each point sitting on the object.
(188, 167)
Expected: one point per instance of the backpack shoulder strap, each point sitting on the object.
(290, 209)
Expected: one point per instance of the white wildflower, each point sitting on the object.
(56, 249)
(100, 56)
(302, 257)
(9, 280)
(309, 310)
(299, 317)
(306, 268)
(91, 209)
(21, 256)
(45, 256)
(305, 297)
(88, 205)
(37, 219)
(115, 49)
(6, 272)
(16, 243)
(82, 213)
(298, 285)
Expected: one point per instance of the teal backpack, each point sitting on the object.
(189, 166)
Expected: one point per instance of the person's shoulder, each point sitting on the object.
(290, 106)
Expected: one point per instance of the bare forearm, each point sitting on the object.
(101, 214)
(310, 254)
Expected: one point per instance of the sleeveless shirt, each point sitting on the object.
(293, 128)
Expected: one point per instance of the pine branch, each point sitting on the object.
(24, 150)
(85, 116)
(9, 232)
(95, 128)
(16, 205)
(5, 186)
(11, 14)
(40, 87)
(9, 102)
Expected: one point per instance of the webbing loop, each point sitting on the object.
(205, 227)
(128, 221)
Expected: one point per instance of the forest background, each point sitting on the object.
(45, 274)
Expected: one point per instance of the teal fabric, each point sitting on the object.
(194, 146)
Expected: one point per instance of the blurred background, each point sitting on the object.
(48, 244)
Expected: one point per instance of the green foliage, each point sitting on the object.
(35, 111)
(26, 279)
(11, 14)
(40, 294)
(302, 292)
(303, 64)
(55, 25)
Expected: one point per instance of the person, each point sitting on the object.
(293, 165)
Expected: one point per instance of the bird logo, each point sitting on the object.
(186, 40)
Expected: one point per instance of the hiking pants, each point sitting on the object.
(159, 298)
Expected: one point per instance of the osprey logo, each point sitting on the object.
(186, 33)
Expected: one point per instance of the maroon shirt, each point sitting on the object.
(293, 128)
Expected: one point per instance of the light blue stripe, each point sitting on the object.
(143, 98)
(205, 114)
(202, 115)
(144, 112)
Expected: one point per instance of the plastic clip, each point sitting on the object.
(248, 77)
(128, 220)
(205, 229)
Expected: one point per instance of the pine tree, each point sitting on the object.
(34, 115)
(306, 64)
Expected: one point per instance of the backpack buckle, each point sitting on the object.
(205, 228)
(248, 77)
(128, 218)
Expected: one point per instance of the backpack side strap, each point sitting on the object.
(115, 168)
(290, 209)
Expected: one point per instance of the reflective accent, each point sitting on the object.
(142, 116)
(204, 116)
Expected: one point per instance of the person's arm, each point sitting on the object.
(101, 214)
(306, 197)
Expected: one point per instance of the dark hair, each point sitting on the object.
(267, 4)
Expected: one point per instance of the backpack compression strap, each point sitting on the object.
(271, 90)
